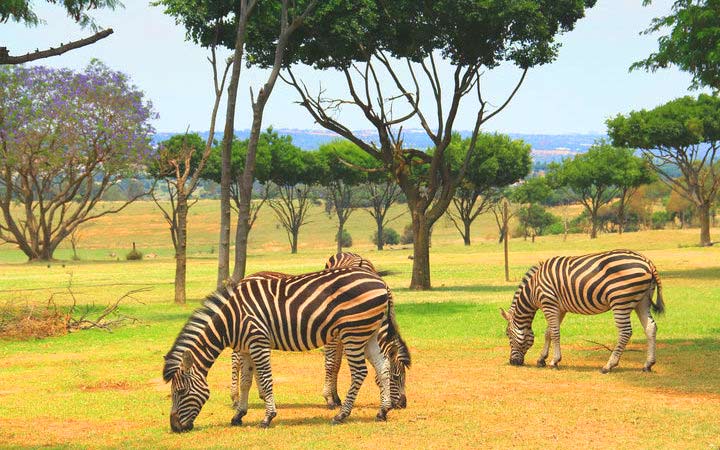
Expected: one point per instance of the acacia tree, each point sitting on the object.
(77, 10)
(632, 172)
(277, 21)
(682, 134)
(530, 193)
(402, 41)
(341, 173)
(692, 42)
(498, 161)
(65, 138)
(383, 192)
(268, 139)
(294, 172)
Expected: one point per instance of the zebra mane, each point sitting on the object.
(525, 279)
(194, 328)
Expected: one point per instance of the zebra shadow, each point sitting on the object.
(705, 273)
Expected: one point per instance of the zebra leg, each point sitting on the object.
(358, 371)
(333, 359)
(261, 359)
(382, 376)
(622, 322)
(234, 394)
(245, 368)
(648, 324)
(548, 338)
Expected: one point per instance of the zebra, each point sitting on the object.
(618, 280)
(298, 313)
(397, 348)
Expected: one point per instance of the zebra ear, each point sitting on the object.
(187, 361)
(505, 315)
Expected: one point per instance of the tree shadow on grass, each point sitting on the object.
(436, 309)
(479, 288)
(706, 273)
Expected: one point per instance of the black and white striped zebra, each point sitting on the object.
(621, 280)
(396, 347)
(294, 314)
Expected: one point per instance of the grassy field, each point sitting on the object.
(98, 389)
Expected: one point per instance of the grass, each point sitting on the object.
(98, 389)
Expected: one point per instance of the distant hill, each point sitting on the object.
(545, 147)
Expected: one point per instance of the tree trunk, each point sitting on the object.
(704, 213)
(181, 250)
(466, 234)
(621, 217)
(228, 135)
(341, 227)
(593, 225)
(506, 238)
(242, 233)
(380, 240)
(421, 252)
(294, 243)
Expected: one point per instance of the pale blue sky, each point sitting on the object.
(588, 83)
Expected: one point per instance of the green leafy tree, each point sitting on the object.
(537, 218)
(65, 139)
(692, 43)
(342, 164)
(498, 161)
(533, 191)
(294, 172)
(597, 177)
(404, 41)
(683, 134)
(22, 11)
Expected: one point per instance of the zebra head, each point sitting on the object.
(397, 386)
(189, 390)
(521, 338)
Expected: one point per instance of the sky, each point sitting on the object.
(588, 83)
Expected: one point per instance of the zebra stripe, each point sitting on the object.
(395, 347)
(618, 280)
(297, 313)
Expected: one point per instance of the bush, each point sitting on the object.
(134, 254)
(407, 236)
(659, 219)
(556, 228)
(390, 237)
(346, 239)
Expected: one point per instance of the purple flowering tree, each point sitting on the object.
(65, 139)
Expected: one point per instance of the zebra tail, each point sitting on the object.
(658, 306)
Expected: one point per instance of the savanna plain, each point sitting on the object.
(98, 389)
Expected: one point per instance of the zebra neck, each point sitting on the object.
(523, 310)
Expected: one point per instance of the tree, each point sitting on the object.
(536, 218)
(631, 173)
(293, 171)
(213, 172)
(402, 41)
(498, 161)
(65, 139)
(598, 176)
(383, 192)
(259, 21)
(692, 43)
(342, 171)
(21, 11)
(682, 134)
(533, 191)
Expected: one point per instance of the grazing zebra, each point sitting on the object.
(295, 314)
(618, 280)
(396, 348)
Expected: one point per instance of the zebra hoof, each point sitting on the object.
(647, 369)
(237, 419)
(604, 370)
(555, 366)
(541, 363)
(381, 416)
(337, 420)
(400, 403)
(266, 421)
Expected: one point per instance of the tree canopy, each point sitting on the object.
(692, 44)
(65, 138)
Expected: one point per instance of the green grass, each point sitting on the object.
(99, 389)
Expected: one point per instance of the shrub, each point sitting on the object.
(134, 254)
(346, 239)
(659, 219)
(407, 236)
(390, 237)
